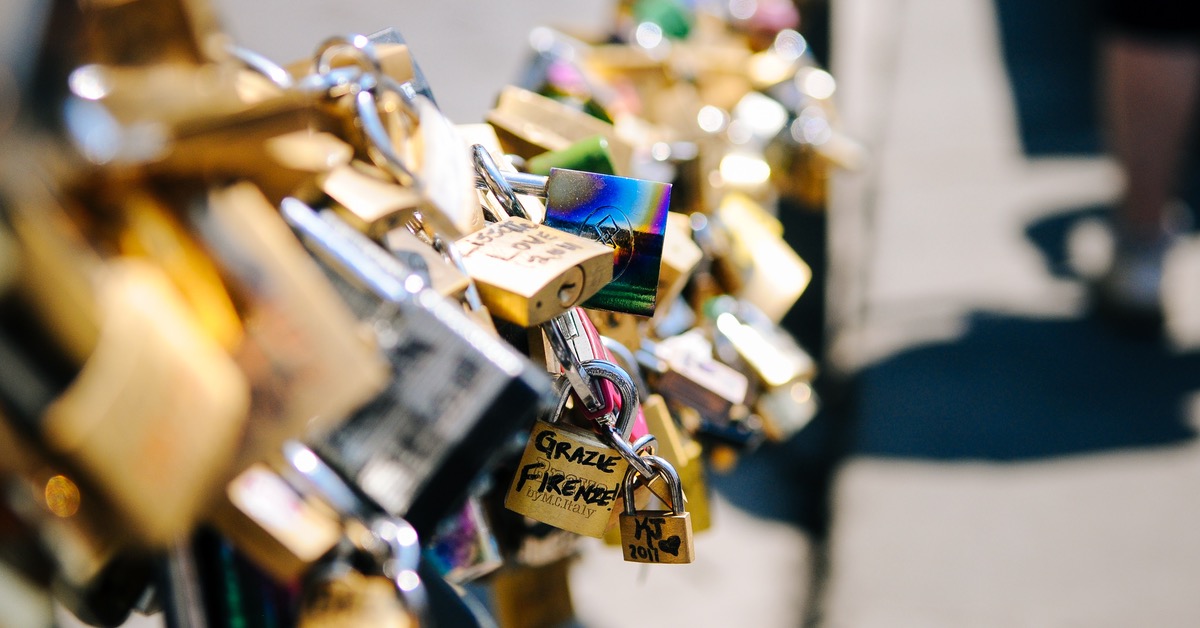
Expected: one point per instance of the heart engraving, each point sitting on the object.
(670, 545)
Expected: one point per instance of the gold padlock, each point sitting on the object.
(447, 280)
(282, 531)
(680, 258)
(568, 477)
(529, 124)
(620, 326)
(533, 596)
(339, 596)
(366, 199)
(774, 276)
(155, 411)
(529, 273)
(657, 536)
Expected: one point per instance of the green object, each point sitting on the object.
(589, 155)
(671, 16)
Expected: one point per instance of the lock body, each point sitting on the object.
(567, 478)
(657, 537)
(529, 273)
(344, 598)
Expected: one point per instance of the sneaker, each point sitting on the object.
(1129, 294)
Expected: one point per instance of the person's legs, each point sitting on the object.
(1151, 93)
(1152, 89)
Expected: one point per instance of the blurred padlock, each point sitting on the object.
(456, 389)
(685, 372)
(530, 124)
(308, 362)
(773, 276)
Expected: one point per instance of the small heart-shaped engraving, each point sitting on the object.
(670, 545)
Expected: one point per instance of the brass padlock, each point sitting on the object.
(678, 448)
(657, 536)
(529, 273)
(680, 257)
(374, 582)
(283, 531)
(568, 477)
(628, 215)
(366, 200)
(773, 276)
(530, 124)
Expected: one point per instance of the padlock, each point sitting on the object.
(338, 596)
(687, 374)
(282, 530)
(534, 596)
(530, 124)
(568, 477)
(744, 334)
(147, 32)
(590, 154)
(197, 114)
(657, 536)
(529, 273)
(680, 258)
(628, 215)
(372, 581)
(150, 232)
(308, 363)
(774, 276)
(783, 370)
(155, 410)
(456, 389)
(463, 548)
(624, 328)
(366, 199)
(447, 280)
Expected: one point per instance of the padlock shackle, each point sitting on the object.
(317, 478)
(659, 466)
(623, 424)
(351, 253)
(492, 179)
(519, 182)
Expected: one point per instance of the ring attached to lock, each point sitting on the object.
(622, 424)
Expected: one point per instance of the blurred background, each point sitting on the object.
(990, 452)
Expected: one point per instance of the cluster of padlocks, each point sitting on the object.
(284, 341)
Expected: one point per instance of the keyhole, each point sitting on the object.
(571, 287)
(566, 293)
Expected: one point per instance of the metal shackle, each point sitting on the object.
(486, 168)
(619, 378)
(660, 466)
